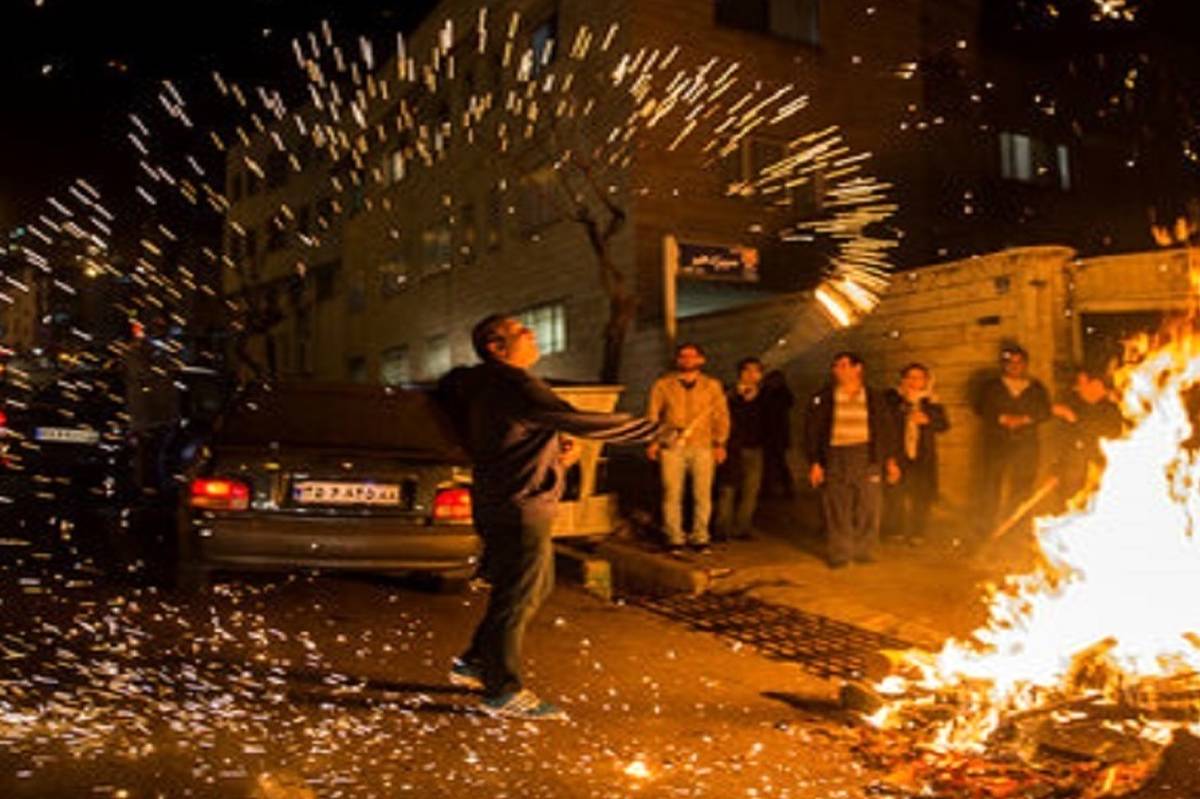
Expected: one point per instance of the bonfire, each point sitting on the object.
(1089, 665)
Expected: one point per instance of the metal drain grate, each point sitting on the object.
(823, 646)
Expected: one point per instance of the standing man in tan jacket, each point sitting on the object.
(693, 403)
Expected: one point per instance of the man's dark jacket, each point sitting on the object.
(995, 400)
(509, 422)
(818, 427)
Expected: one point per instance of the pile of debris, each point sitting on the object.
(1096, 737)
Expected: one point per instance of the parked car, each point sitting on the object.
(62, 444)
(324, 476)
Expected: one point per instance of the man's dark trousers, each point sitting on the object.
(1009, 475)
(852, 500)
(518, 560)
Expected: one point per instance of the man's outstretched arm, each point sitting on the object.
(544, 408)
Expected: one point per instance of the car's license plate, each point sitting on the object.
(315, 492)
(67, 435)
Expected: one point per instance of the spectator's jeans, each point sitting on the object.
(675, 463)
(852, 498)
(518, 560)
(744, 489)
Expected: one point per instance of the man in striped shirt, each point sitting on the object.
(851, 443)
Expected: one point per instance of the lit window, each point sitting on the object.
(1029, 160)
(549, 323)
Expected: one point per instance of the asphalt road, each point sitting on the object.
(335, 687)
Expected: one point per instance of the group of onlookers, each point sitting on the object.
(872, 454)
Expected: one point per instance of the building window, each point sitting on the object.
(394, 276)
(356, 369)
(437, 249)
(743, 168)
(538, 206)
(797, 20)
(395, 366)
(437, 356)
(1029, 160)
(542, 44)
(549, 323)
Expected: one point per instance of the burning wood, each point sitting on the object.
(1089, 666)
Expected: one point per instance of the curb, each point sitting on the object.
(636, 571)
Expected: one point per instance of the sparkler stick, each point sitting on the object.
(1025, 507)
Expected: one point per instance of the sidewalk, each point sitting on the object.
(921, 595)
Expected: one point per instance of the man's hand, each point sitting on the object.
(816, 475)
(1065, 413)
(720, 454)
(919, 418)
(1011, 421)
(652, 452)
(892, 470)
(568, 451)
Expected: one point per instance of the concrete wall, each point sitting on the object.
(953, 317)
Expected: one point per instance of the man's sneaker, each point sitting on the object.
(701, 548)
(523, 704)
(466, 675)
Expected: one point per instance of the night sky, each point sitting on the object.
(105, 59)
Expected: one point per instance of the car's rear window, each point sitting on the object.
(341, 417)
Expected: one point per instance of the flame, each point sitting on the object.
(1116, 597)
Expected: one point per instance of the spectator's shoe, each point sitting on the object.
(673, 550)
(523, 704)
(466, 675)
(701, 548)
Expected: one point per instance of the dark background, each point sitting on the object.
(107, 58)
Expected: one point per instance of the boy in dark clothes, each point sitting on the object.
(510, 422)
(1011, 405)
(919, 418)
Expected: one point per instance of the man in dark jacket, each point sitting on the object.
(741, 475)
(918, 419)
(850, 440)
(1089, 416)
(1011, 407)
(510, 423)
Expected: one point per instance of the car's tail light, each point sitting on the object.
(220, 494)
(452, 505)
(3, 420)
